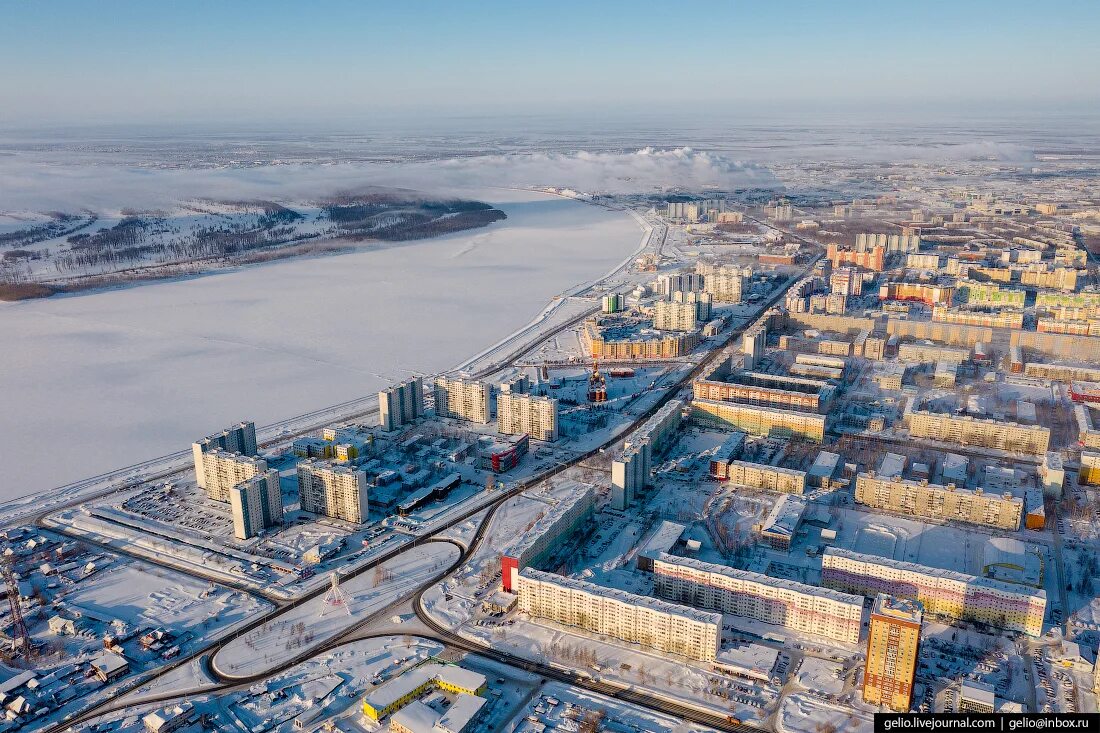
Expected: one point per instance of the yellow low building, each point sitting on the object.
(400, 691)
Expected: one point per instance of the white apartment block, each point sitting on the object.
(725, 284)
(223, 470)
(333, 490)
(256, 504)
(401, 404)
(804, 608)
(679, 282)
(240, 438)
(657, 624)
(463, 399)
(523, 413)
(671, 316)
(967, 430)
(771, 478)
(933, 501)
(629, 473)
(546, 534)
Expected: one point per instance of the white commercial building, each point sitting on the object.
(256, 504)
(519, 413)
(464, 399)
(664, 626)
(333, 490)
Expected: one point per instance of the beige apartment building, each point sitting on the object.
(650, 622)
(463, 399)
(524, 413)
(223, 470)
(672, 316)
(333, 490)
(933, 501)
(759, 420)
(967, 430)
(761, 476)
(806, 608)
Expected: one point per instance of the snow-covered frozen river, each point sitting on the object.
(98, 381)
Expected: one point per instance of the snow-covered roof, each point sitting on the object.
(416, 717)
(464, 709)
(581, 493)
(664, 537)
(432, 672)
(784, 517)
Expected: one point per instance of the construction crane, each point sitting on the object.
(19, 636)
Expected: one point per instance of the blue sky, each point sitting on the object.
(158, 61)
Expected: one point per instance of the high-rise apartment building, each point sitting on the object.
(464, 399)
(240, 438)
(672, 316)
(524, 413)
(256, 504)
(333, 490)
(223, 470)
(401, 404)
(725, 284)
(892, 645)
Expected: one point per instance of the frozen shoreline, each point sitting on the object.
(115, 377)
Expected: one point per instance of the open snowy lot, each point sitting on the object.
(307, 626)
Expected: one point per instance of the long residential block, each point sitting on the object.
(933, 501)
(967, 430)
(654, 623)
(759, 420)
(760, 597)
(762, 476)
(545, 535)
(944, 593)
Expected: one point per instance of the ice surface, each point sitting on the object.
(115, 377)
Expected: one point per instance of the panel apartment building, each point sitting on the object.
(463, 399)
(547, 533)
(523, 413)
(333, 490)
(654, 623)
(240, 438)
(759, 420)
(762, 476)
(933, 501)
(223, 470)
(967, 430)
(401, 404)
(797, 606)
(944, 593)
(256, 504)
(630, 472)
(893, 643)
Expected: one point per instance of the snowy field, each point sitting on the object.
(140, 372)
(302, 628)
